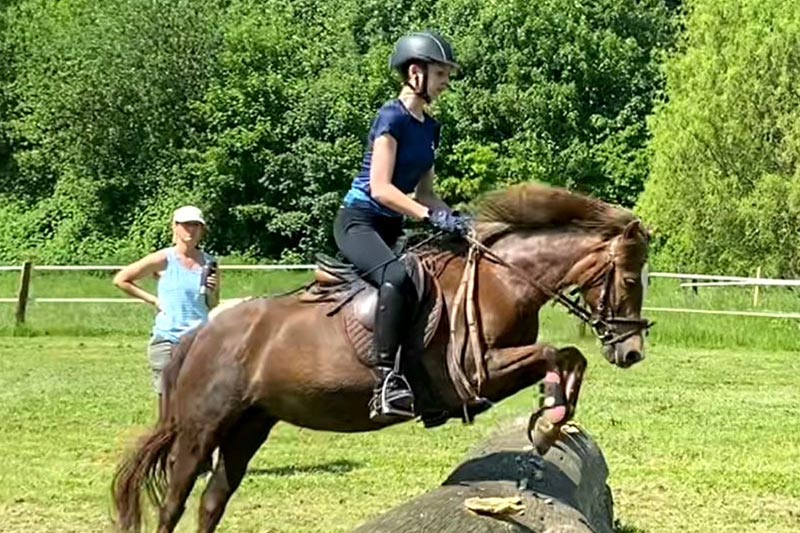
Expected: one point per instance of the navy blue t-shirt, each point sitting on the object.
(416, 149)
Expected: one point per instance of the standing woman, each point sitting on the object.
(188, 287)
(399, 160)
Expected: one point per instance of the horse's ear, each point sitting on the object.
(633, 229)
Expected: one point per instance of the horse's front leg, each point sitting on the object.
(573, 365)
(559, 399)
(561, 373)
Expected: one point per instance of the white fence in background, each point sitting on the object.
(692, 281)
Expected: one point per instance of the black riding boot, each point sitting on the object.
(392, 397)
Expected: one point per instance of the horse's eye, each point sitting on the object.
(630, 282)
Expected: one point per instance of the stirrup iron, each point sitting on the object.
(386, 407)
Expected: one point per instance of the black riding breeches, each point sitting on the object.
(366, 240)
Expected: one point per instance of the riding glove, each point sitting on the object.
(449, 221)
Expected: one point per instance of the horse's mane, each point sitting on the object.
(532, 206)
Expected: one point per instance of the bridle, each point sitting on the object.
(606, 325)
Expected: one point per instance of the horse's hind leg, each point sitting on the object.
(238, 446)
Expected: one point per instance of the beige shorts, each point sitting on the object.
(159, 352)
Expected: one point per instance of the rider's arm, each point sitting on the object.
(384, 152)
(425, 194)
(147, 266)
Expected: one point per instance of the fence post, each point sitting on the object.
(755, 290)
(22, 295)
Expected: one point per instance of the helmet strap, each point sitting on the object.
(423, 92)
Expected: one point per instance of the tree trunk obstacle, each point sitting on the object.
(563, 492)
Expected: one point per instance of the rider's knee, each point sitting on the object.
(396, 275)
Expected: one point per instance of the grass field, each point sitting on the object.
(703, 436)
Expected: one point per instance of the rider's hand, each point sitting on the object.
(447, 220)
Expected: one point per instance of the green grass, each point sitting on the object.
(697, 441)
(703, 436)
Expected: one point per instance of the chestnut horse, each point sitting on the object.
(283, 359)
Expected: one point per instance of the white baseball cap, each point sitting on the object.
(188, 213)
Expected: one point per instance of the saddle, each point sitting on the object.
(340, 284)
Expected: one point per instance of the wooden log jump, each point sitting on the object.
(563, 492)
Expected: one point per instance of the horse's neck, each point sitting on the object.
(547, 257)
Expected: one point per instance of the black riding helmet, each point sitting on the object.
(423, 47)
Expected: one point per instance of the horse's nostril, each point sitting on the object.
(633, 356)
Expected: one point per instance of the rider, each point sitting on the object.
(399, 159)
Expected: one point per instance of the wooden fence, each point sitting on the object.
(692, 281)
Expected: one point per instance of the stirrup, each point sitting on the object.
(385, 410)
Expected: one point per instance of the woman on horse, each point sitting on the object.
(399, 160)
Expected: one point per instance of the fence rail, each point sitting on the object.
(721, 312)
(751, 282)
(692, 281)
(99, 268)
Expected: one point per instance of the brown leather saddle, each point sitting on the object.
(340, 286)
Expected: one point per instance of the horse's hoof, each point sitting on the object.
(543, 434)
(434, 419)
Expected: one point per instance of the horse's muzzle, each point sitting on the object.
(626, 353)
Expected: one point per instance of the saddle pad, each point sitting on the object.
(361, 338)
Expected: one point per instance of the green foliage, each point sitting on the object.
(558, 91)
(102, 95)
(258, 110)
(285, 121)
(6, 68)
(725, 189)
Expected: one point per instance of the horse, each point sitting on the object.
(290, 358)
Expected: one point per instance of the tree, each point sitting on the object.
(102, 96)
(258, 110)
(725, 190)
(554, 91)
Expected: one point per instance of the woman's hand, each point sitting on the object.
(212, 282)
(147, 266)
(453, 222)
(212, 286)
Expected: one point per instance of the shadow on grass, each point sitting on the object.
(333, 467)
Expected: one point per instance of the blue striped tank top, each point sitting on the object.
(183, 308)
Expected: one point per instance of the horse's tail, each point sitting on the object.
(146, 465)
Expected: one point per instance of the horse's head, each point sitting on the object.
(614, 290)
(556, 239)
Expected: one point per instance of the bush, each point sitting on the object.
(724, 190)
(258, 111)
